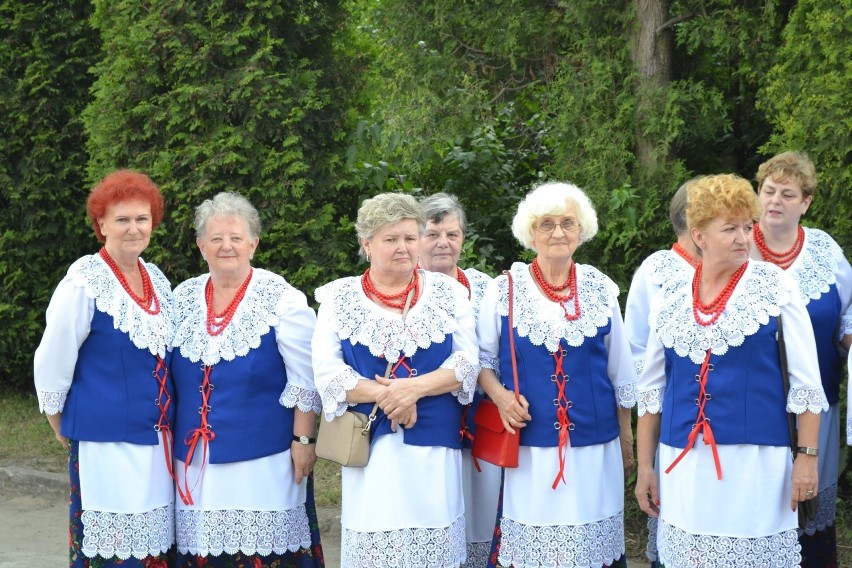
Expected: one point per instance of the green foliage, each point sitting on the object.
(806, 97)
(45, 51)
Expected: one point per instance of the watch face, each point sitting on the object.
(303, 440)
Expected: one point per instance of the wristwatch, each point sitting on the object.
(304, 440)
(808, 451)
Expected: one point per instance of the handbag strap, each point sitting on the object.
(782, 358)
(512, 334)
(375, 410)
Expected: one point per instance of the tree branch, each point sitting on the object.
(673, 22)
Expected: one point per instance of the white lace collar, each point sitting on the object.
(146, 331)
(815, 269)
(543, 322)
(357, 319)
(478, 284)
(261, 308)
(667, 265)
(759, 296)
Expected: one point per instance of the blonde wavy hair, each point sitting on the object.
(787, 166)
(722, 196)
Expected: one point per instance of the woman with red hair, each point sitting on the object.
(100, 366)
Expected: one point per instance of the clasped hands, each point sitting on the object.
(398, 400)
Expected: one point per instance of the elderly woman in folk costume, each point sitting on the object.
(246, 404)
(102, 379)
(563, 506)
(405, 508)
(440, 248)
(712, 397)
(786, 186)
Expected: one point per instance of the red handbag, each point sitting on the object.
(492, 442)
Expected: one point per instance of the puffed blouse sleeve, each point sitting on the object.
(69, 318)
(293, 334)
(620, 367)
(464, 359)
(651, 385)
(636, 312)
(488, 327)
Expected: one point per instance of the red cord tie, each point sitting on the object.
(563, 423)
(164, 401)
(702, 423)
(412, 372)
(464, 433)
(204, 433)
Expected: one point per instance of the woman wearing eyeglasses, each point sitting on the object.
(563, 505)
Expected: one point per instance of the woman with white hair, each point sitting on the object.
(563, 505)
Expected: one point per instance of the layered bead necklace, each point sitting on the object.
(462, 278)
(391, 300)
(782, 259)
(553, 292)
(680, 251)
(216, 323)
(149, 302)
(715, 308)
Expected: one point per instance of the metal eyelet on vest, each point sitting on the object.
(564, 352)
(697, 378)
(707, 396)
(211, 385)
(552, 378)
(711, 367)
(208, 427)
(569, 404)
(571, 427)
(200, 388)
(413, 373)
(200, 409)
(696, 401)
(156, 402)
(556, 426)
(156, 427)
(555, 402)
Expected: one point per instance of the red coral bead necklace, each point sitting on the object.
(714, 309)
(552, 292)
(391, 300)
(462, 278)
(782, 259)
(680, 251)
(149, 302)
(216, 323)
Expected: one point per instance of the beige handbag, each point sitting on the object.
(346, 439)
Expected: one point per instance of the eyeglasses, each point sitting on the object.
(567, 225)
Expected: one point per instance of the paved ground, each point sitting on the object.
(34, 516)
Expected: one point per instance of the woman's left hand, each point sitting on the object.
(304, 457)
(805, 479)
(399, 398)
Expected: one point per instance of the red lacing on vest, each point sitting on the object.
(563, 424)
(164, 401)
(702, 423)
(204, 433)
(412, 372)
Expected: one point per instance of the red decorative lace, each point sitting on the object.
(216, 323)
(148, 298)
(552, 292)
(462, 278)
(391, 300)
(715, 308)
(204, 434)
(702, 423)
(164, 401)
(563, 424)
(783, 259)
(680, 251)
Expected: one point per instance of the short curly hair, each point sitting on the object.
(551, 198)
(386, 209)
(123, 185)
(227, 204)
(787, 166)
(721, 196)
(440, 205)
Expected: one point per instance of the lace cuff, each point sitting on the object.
(488, 362)
(334, 395)
(128, 534)
(306, 400)
(845, 327)
(51, 402)
(650, 401)
(802, 400)
(625, 395)
(466, 374)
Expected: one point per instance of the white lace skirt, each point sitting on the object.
(579, 524)
(405, 508)
(253, 507)
(745, 516)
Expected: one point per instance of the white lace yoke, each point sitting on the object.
(667, 266)
(543, 322)
(146, 331)
(478, 284)
(816, 267)
(262, 307)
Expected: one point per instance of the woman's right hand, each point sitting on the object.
(647, 492)
(514, 412)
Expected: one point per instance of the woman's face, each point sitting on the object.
(441, 245)
(551, 241)
(394, 248)
(226, 245)
(127, 227)
(725, 243)
(783, 203)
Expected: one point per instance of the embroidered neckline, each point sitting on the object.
(543, 322)
(815, 269)
(261, 308)
(362, 322)
(146, 331)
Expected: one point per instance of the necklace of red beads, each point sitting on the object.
(391, 300)
(149, 301)
(216, 323)
(783, 259)
(553, 292)
(680, 251)
(715, 308)
(463, 280)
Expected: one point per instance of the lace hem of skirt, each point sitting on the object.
(124, 535)
(433, 547)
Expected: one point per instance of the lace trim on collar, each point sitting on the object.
(146, 331)
(360, 321)
(262, 308)
(758, 297)
(666, 266)
(816, 268)
(543, 321)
